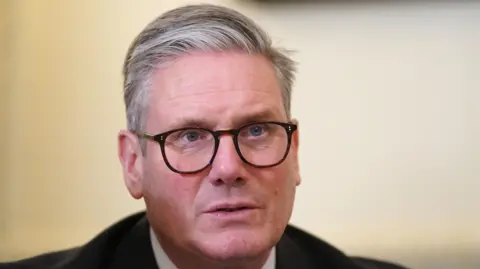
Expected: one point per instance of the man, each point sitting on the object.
(212, 149)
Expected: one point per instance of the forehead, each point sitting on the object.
(219, 88)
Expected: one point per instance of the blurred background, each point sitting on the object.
(387, 96)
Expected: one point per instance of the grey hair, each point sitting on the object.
(200, 27)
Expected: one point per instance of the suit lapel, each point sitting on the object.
(136, 250)
(299, 250)
(289, 255)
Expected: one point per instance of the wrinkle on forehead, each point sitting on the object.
(216, 85)
(234, 109)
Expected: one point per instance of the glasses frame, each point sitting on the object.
(289, 128)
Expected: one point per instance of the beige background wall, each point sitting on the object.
(4, 115)
(386, 97)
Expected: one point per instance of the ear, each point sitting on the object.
(294, 147)
(131, 158)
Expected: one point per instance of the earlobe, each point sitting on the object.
(131, 158)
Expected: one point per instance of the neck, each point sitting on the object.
(181, 259)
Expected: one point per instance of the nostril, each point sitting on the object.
(236, 182)
(239, 182)
(218, 182)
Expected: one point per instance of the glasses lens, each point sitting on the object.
(263, 144)
(189, 150)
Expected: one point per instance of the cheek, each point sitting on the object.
(159, 182)
(284, 188)
(285, 178)
(280, 186)
(281, 193)
(168, 193)
(166, 188)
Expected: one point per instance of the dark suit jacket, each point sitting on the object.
(126, 245)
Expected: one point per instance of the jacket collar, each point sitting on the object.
(296, 249)
(135, 250)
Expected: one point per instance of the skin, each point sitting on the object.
(216, 91)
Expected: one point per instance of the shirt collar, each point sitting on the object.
(164, 262)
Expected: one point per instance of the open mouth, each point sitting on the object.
(232, 209)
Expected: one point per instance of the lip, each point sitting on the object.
(234, 206)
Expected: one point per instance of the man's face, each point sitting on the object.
(217, 91)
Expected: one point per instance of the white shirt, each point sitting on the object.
(164, 262)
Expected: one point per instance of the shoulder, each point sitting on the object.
(53, 260)
(92, 253)
(318, 249)
(366, 263)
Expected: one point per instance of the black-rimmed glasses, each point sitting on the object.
(190, 150)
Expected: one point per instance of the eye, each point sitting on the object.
(256, 130)
(190, 136)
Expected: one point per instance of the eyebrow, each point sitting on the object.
(204, 122)
(185, 122)
(255, 116)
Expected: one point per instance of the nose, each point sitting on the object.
(227, 166)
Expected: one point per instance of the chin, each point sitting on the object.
(235, 244)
